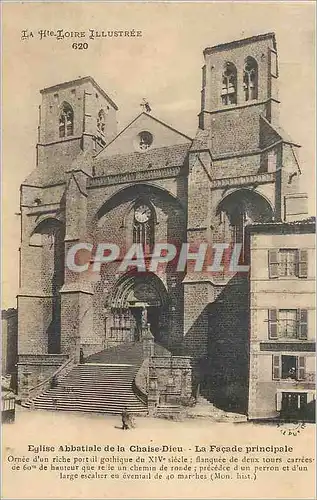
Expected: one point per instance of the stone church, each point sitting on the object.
(150, 183)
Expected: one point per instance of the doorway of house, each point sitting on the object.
(293, 404)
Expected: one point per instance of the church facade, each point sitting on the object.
(151, 184)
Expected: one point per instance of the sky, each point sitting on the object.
(163, 65)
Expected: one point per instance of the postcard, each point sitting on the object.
(158, 279)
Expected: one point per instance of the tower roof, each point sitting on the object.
(76, 82)
(239, 43)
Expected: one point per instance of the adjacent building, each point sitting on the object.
(282, 319)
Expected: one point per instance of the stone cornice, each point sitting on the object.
(238, 43)
(37, 293)
(40, 210)
(233, 107)
(298, 346)
(77, 287)
(204, 280)
(265, 178)
(126, 177)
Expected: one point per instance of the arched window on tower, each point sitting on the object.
(241, 208)
(239, 221)
(229, 84)
(66, 120)
(101, 121)
(250, 79)
(143, 226)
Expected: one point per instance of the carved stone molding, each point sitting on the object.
(243, 181)
(126, 177)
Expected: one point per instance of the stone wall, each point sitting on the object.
(34, 369)
(170, 380)
(9, 336)
(224, 374)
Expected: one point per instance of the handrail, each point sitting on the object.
(51, 377)
(138, 385)
(139, 393)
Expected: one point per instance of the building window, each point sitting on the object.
(143, 226)
(271, 161)
(290, 402)
(250, 79)
(203, 73)
(238, 226)
(66, 121)
(229, 84)
(145, 140)
(274, 65)
(288, 367)
(288, 263)
(101, 121)
(288, 324)
(202, 98)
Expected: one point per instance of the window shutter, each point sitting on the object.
(301, 368)
(302, 323)
(273, 263)
(310, 397)
(278, 401)
(276, 366)
(272, 323)
(302, 263)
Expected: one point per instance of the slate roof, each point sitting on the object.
(309, 223)
(201, 140)
(280, 132)
(243, 41)
(80, 80)
(169, 156)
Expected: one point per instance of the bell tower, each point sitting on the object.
(239, 83)
(75, 116)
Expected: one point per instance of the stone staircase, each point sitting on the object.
(129, 353)
(102, 384)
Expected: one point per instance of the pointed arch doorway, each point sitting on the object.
(138, 300)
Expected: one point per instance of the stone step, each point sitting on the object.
(92, 388)
(87, 404)
(85, 391)
(110, 398)
(168, 409)
(101, 379)
(94, 409)
(128, 352)
(104, 383)
(101, 403)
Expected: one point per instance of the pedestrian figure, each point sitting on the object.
(131, 422)
(125, 419)
(81, 356)
(54, 382)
